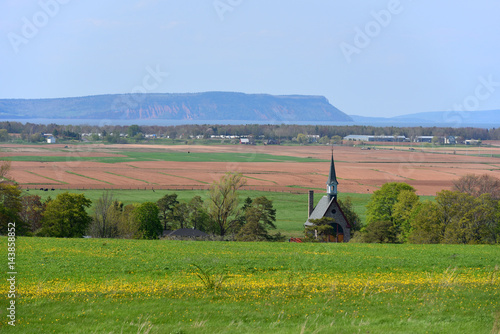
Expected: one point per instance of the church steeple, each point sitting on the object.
(331, 184)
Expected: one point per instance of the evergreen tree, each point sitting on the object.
(259, 216)
(198, 215)
(322, 228)
(166, 205)
(253, 230)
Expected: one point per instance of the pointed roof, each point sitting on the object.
(332, 177)
(187, 232)
(324, 205)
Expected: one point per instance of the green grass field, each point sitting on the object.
(137, 286)
(131, 156)
(291, 209)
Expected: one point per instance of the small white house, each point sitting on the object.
(50, 138)
(472, 142)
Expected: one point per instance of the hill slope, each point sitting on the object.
(195, 106)
(480, 118)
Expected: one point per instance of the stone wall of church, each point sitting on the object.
(335, 213)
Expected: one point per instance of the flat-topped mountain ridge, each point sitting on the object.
(185, 106)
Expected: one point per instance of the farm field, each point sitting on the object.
(137, 286)
(266, 168)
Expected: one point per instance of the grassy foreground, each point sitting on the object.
(133, 286)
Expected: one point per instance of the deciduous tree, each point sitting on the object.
(133, 130)
(223, 201)
(4, 169)
(427, 225)
(380, 232)
(381, 205)
(324, 140)
(476, 185)
(467, 217)
(336, 139)
(147, 215)
(10, 209)
(402, 211)
(4, 135)
(456, 218)
(128, 226)
(351, 216)
(32, 211)
(103, 225)
(302, 138)
(487, 211)
(66, 217)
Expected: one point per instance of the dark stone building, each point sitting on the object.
(329, 207)
(185, 233)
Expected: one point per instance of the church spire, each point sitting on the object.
(332, 177)
(331, 184)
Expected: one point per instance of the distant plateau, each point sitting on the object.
(219, 107)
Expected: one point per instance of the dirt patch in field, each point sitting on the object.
(69, 155)
(358, 171)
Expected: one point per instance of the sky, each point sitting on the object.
(367, 57)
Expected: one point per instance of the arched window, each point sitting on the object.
(337, 229)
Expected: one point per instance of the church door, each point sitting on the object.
(338, 233)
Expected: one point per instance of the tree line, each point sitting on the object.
(468, 214)
(111, 133)
(68, 216)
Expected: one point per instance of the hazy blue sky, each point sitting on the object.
(373, 58)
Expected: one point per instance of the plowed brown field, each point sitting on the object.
(358, 171)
